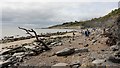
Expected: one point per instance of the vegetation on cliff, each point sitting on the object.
(105, 21)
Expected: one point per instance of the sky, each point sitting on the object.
(44, 13)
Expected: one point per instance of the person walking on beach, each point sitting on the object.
(73, 36)
(87, 33)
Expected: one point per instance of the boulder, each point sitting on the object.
(65, 52)
(114, 59)
(81, 50)
(98, 61)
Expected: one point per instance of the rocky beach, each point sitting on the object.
(68, 49)
(60, 35)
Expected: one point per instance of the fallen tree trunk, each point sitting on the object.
(36, 36)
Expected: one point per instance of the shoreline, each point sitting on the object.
(28, 39)
(12, 38)
(64, 48)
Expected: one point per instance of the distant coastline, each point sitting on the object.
(105, 21)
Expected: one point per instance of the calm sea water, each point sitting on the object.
(15, 31)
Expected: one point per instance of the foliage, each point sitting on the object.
(104, 21)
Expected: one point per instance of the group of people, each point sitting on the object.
(86, 32)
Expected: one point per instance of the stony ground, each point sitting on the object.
(98, 52)
(96, 44)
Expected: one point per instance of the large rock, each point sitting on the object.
(81, 50)
(114, 59)
(65, 52)
(98, 61)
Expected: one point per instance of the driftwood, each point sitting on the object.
(36, 36)
(27, 31)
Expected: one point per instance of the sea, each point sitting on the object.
(15, 31)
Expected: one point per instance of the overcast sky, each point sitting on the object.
(43, 14)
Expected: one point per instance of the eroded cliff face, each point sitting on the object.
(115, 30)
(113, 33)
(118, 28)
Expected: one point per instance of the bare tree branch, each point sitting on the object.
(27, 31)
(36, 36)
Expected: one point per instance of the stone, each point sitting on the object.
(81, 50)
(117, 53)
(30, 47)
(35, 43)
(4, 57)
(19, 54)
(88, 65)
(118, 43)
(75, 64)
(30, 53)
(114, 48)
(4, 51)
(93, 41)
(60, 65)
(59, 44)
(14, 59)
(98, 61)
(4, 63)
(65, 52)
(53, 43)
(86, 45)
(114, 59)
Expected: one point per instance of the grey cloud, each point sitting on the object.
(51, 13)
